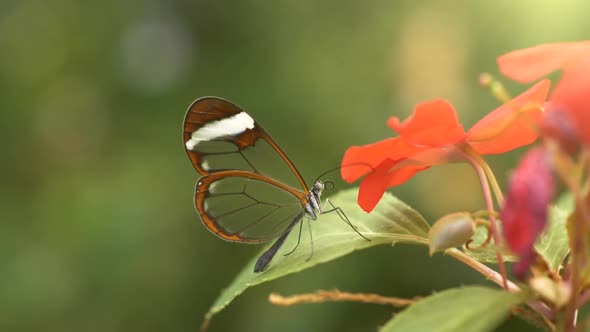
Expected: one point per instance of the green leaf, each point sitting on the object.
(471, 309)
(487, 254)
(392, 221)
(553, 243)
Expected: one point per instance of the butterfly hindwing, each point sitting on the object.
(242, 206)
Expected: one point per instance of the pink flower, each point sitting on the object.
(524, 214)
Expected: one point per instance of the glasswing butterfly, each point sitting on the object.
(236, 197)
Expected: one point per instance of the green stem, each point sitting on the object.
(490, 175)
(483, 180)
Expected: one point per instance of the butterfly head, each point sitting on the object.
(318, 187)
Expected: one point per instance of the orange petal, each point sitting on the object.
(511, 125)
(403, 174)
(360, 160)
(374, 186)
(433, 123)
(376, 183)
(529, 64)
(572, 95)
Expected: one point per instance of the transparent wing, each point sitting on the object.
(220, 136)
(244, 206)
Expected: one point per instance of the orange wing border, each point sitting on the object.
(206, 181)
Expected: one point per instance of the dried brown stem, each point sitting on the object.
(335, 295)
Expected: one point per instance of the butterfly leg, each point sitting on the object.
(343, 216)
(298, 240)
(310, 239)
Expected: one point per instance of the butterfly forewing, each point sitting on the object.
(219, 135)
(250, 191)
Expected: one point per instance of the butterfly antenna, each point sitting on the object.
(343, 166)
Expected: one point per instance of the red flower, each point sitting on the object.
(433, 135)
(572, 94)
(524, 214)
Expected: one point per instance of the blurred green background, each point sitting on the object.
(99, 232)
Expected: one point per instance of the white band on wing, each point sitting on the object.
(229, 126)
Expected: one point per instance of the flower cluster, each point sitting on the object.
(433, 135)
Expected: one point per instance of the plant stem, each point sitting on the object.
(471, 156)
(495, 277)
(338, 296)
(485, 270)
(492, 180)
(565, 168)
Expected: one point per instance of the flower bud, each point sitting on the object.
(450, 231)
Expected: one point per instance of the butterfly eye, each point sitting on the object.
(329, 185)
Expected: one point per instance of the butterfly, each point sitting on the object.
(236, 197)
